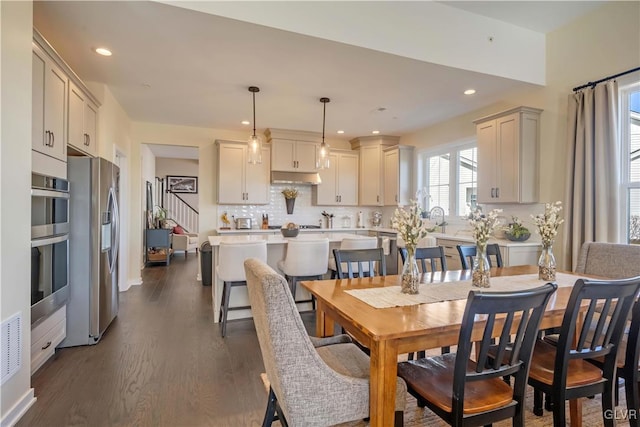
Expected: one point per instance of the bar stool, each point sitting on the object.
(230, 270)
(305, 259)
(364, 242)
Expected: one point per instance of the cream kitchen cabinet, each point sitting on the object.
(339, 185)
(83, 121)
(49, 105)
(293, 156)
(371, 189)
(508, 156)
(397, 163)
(239, 182)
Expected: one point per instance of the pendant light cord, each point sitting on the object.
(324, 114)
(254, 114)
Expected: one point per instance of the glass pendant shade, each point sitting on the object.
(254, 152)
(323, 150)
(323, 156)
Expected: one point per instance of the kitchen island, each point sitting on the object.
(276, 251)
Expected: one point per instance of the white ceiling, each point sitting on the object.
(178, 66)
(174, 151)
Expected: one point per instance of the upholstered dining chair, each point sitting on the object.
(464, 392)
(610, 260)
(468, 252)
(630, 369)
(432, 255)
(310, 386)
(563, 371)
(364, 242)
(362, 260)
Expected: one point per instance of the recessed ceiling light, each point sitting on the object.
(469, 91)
(375, 132)
(246, 122)
(341, 131)
(103, 51)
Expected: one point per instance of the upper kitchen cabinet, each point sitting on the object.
(240, 182)
(508, 156)
(397, 163)
(49, 104)
(83, 121)
(339, 185)
(371, 177)
(292, 151)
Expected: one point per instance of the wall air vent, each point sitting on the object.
(11, 346)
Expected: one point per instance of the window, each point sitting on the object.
(450, 178)
(630, 143)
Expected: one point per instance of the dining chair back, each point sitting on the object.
(306, 259)
(432, 254)
(363, 242)
(631, 369)
(468, 252)
(230, 271)
(310, 386)
(467, 392)
(362, 259)
(611, 260)
(563, 371)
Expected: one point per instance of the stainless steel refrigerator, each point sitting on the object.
(93, 249)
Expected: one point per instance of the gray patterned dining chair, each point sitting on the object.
(309, 385)
(610, 260)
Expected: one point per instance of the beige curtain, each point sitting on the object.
(592, 199)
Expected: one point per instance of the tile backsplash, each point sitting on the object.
(304, 211)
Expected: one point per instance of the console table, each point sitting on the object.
(160, 239)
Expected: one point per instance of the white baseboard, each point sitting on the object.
(12, 417)
(135, 282)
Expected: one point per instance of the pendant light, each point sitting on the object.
(323, 151)
(254, 154)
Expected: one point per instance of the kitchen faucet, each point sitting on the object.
(438, 212)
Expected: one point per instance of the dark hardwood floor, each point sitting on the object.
(162, 362)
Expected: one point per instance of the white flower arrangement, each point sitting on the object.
(483, 225)
(409, 224)
(548, 222)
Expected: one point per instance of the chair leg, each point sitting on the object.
(548, 402)
(537, 402)
(608, 405)
(410, 356)
(633, 400)
(227, 295)
(270, 413)
(446, 350)
(398, 419)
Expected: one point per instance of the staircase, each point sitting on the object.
(178, 210)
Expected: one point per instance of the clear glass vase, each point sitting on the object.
(481, 272)
(547, 264)
(410, 273)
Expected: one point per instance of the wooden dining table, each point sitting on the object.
(389, 332)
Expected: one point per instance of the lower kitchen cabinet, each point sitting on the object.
(46, 336)
(513, 254)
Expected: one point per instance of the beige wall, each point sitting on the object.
(15, 182)
(602, 43)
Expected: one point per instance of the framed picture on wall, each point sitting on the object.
(182, 184)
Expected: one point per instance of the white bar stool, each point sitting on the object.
(305, 259)
(364, 242)
(230, 270)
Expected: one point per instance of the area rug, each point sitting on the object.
(415, 416)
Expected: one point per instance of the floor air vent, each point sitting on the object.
(11, 346)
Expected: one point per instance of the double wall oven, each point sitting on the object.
(49, 245)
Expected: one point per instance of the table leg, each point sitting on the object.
(575, 412)
(324, 323)
(382, 386)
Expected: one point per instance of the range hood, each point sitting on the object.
(278, 177)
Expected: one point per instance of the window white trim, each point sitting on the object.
(626, 85)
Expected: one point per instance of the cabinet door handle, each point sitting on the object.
(493, 192)
(497, 192)
(396, 198)
(340, 199)
(47, 345)
(46, 137)
(377, 198)
(53, 139)
(336, 199)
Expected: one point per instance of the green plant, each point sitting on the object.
(516, 229)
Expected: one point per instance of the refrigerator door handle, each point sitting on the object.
(115, 248)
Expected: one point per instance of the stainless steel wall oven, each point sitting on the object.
(49, 245)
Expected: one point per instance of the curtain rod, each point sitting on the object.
(592, 84)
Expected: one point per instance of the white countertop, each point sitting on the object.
(278, 239)
(273, 236)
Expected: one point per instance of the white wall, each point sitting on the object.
(602, 43)
(15, 182)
